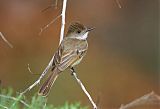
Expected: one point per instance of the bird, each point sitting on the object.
(70, 52)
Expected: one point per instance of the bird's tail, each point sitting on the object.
(46, 87)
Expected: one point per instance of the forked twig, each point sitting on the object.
(39, 79)
(5, 40)
(29, 69)
(45, 27)
(83, 88)
(51, 61)
(50, 6)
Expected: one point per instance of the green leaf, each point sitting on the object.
(8, 100)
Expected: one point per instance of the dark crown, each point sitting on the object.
(75, 27)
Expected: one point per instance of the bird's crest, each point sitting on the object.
(75, 27)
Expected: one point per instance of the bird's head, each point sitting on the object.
(78, 31)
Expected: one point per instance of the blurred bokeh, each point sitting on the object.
(122, 60)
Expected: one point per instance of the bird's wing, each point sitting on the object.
(68, 53)
(64, 58)
(68, 58)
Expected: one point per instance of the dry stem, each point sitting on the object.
(50, 6)
(51, 61)
(63, 20)
(45, 27)
(148, 98)
(5, 40)
(83, 88)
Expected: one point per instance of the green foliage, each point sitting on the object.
(9, 101)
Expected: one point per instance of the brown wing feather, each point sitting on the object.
(45, 88)
(66, 55)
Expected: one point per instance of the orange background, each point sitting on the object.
(122, 60)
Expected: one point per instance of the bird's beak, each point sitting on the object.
(90, 29)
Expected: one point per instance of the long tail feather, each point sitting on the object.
(46, 87)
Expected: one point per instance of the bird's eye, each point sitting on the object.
(78, 31)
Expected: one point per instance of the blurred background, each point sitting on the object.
(122, 60)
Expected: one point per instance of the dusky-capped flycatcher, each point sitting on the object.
(70, 52)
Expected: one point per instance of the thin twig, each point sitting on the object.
(83, 88)
(15, 99)
(50, 6)
(51, 61)
(63, 20)
(118, 3)
(45, 27)
(39, 79)
(148, 98)
(5, 40)
(29, 69)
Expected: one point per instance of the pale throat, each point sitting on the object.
(82, 37)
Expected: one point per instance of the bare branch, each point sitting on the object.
(5, 40)
(29, 69)
(50, 6)
(83, 88)
(51, 61)
(150, 98)
(45, 27)
(39, 79)
(118, 3)
(63, 20)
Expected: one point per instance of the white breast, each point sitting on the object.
(83, 37)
